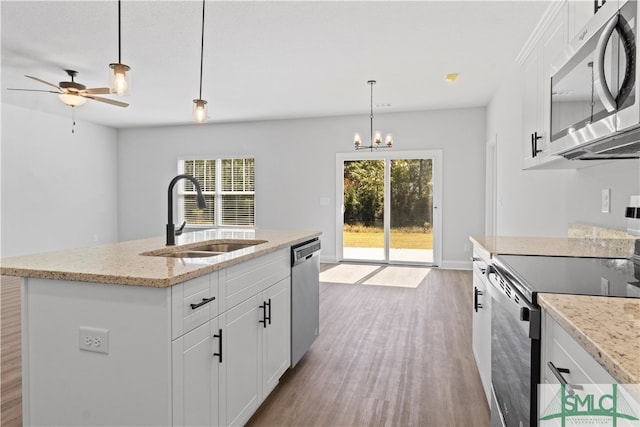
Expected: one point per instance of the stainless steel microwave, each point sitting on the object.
(595, 110)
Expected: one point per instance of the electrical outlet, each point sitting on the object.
(606, 200)
(94, 339)
(604, 286)
(467, 247)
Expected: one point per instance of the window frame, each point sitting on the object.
(217, 193)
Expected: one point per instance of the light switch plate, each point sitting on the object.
(606, 200)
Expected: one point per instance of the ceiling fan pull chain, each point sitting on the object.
(73, 120)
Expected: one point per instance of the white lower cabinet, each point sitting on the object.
(277, 335)
(481, 322)
(256, 351)
(224, 369)
(195, 376)
(241, 363)
(564, 360)
(196, 354)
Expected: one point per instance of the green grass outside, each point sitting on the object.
(403, 238)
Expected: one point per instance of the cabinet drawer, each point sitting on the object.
(194, 292)
(565, 352)
(242, 281)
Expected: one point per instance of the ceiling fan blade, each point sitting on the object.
(36, 90)
(107, 100)
(45, 82)
(98, 91)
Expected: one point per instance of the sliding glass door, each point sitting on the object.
(389, 207)
(411, 211)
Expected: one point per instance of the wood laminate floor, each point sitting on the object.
(386, 356)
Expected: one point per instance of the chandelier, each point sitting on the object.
(376, 139)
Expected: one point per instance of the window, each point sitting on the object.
(228, 186)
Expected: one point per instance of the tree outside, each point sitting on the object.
(410, 205)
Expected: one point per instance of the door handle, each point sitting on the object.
(534, 144)
(266, 315)
(557, 372)
(476, 292)
(219, 353)
(204, 301)
(269, 305)
(599, 80)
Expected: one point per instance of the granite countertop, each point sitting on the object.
(556, 246)
(122, 263)
(608, 328)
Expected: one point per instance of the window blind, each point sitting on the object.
(231, 190)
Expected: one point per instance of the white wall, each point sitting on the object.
(296, 166)
(544, 202)
(584, 193)
(529, 203)
(59, 190)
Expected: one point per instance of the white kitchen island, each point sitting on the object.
(114, 337)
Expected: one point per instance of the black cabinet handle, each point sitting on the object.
(534, 144)
(557, 372)
(264, 314)
(219, 353)
(266, 307)
(269, 304)
(204, 301)
(476, 292)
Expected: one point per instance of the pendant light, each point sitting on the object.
(200, 105)
(376, 139)
(118, 78)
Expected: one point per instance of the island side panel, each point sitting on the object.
(63, 385)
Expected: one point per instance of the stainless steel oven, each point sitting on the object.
(594, 90)
(515, 281)
(515, 353)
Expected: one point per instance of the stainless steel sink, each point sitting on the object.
(209, 249)
(190, 254)
(226, 247)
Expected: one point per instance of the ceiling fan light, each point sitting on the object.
(72, 100)
(200, 110)
(119, 79)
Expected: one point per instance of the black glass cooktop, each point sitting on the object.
(568, 275)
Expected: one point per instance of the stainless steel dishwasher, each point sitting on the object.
(305, 297)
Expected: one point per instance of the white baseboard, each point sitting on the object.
(449, 265)
(456, 265)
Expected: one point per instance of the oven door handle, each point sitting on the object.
(599, 81)
(522, 310)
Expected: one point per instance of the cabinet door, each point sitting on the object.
(195, 378)
(241, 368)
(277, 334)
(531, 105)
(553, 42)
(481, 332)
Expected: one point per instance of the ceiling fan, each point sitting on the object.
(74, 94)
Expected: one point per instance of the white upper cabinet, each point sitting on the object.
(536, 107)
(564, 22)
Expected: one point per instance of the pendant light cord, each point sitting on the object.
(201, 48)
(119, 36)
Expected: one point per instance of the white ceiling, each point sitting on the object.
(264, 59)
